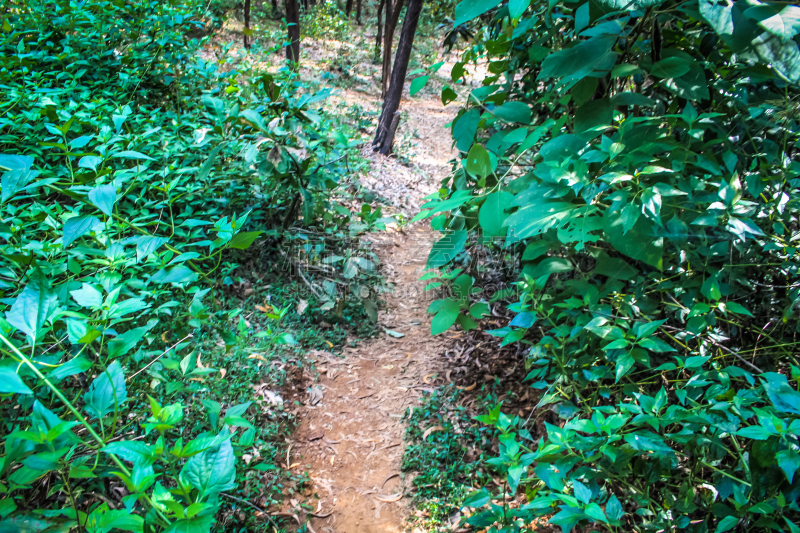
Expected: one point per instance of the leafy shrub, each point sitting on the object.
(638, 158)
(135, 176)
(325, 21)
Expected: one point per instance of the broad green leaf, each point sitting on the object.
(464, 129)
(446, 314)
(136, 452)
(585, 58)
(477, 499)
(537, 215)
(492, 213)
(670, 67)
(32, 306)
(243, 240)
(18, 174)
(624, 363)
(212, 471)
(205, 170)
(74, 366)
(87, 296)
(178, 274)
(107, 393)
(124, 343)
(726, 524)
(76, 227)
(147, 245)
(446, 248)
(417, 84)
(640, 243)
(479, 164)
(10, 382)
(104, 197)
(517, 7)
(467, 10)
(514, 112)
(131, 154)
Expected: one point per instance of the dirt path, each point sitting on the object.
(351, 440)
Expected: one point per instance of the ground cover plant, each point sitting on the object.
(638, 160)
(144, 191)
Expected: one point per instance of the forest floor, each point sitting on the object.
(351, 441)
(350, 437)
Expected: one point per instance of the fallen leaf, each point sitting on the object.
(425, 379)
(474, 384)
(431, 430)
(390, 499)
(293, 465)
(302, 305)
(395, 334)
(316, 437)
(256, 356)
(333, 458)
(222, 371)
(329, 343)
(199, 363)
(388, 478)
(388, 367)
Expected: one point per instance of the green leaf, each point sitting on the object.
(492, 213)
(195, 524)
(122, 344)
(107, 393)
(514, 112)
(104, 197)
(479, 164)
(205, 170)
(10, 382)
(147, 245)
(212, 471)
(448, 95)
(614, 509)
(781, 394)
(582, 492)
(537, 215)
(640, 243)
(755, 433)
(74, 366)
(32, 306)
(671, 67)
(447, 248)
(585, 58)
(469, 9)
(479, 309)
(465, 128)
(517, 7)
(446, 314)
(130, 154)
(18, 176)
(624, 363)
(87, 296)
(136, 452)
(789, 462)
(478, 498)
(242, 241)
(417, 84)
(76, 227)
(734, 307)
(178, 274)
(726, 524)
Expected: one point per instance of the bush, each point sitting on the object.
(638, 160)
(135, 177)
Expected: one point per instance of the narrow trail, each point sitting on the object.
(351, 440)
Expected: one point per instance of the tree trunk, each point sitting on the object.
(246, 24)
(348, 8)
(358, 12)
(293, 19)
(392, 16)
(384, 137)
(274, 7)
(379, 40)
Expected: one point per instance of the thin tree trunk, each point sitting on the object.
(392, 16)
(379, 40)
(293, 19)
(358, 12)
(246, 24)
(274, 7)
(384, 137)
(348, 8)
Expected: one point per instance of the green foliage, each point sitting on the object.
(646, 154)
(445, 459)
(136, 178)
(325, 21)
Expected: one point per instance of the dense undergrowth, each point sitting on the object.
(155, 206)
(637, 160)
